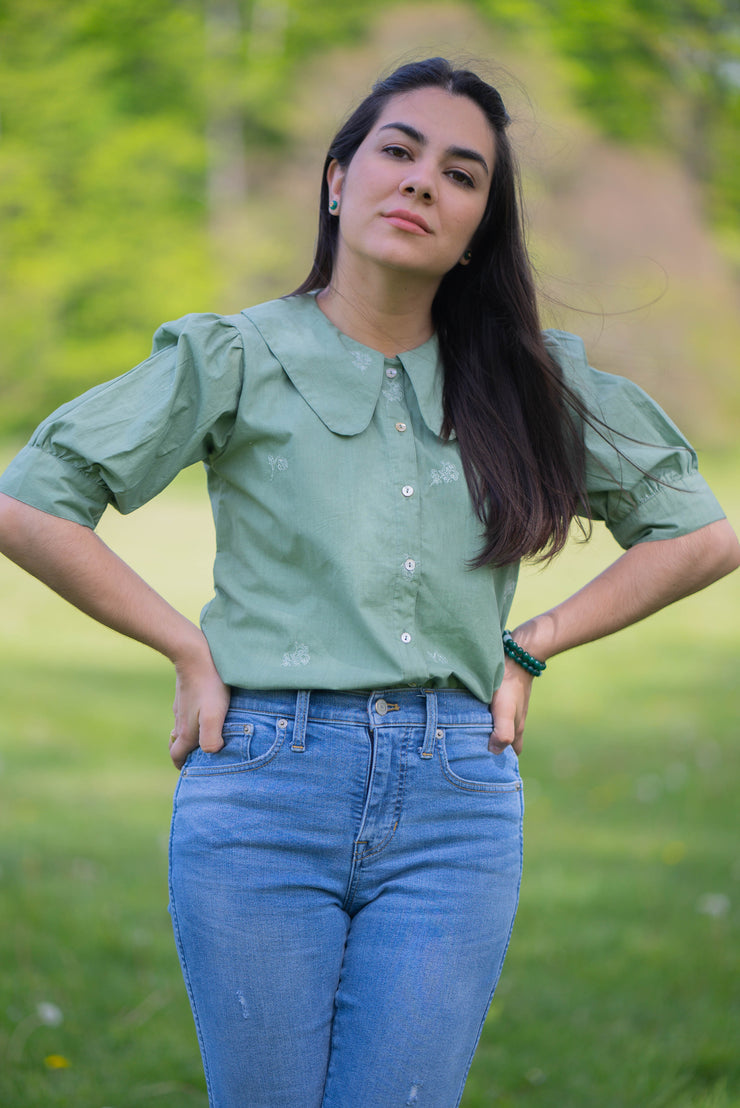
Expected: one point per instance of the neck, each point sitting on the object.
(390, 314)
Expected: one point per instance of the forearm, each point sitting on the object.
(77, 565)
(645, 579)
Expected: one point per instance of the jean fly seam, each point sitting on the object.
(397, 805)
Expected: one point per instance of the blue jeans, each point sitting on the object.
(344, 876)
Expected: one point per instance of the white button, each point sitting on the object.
(408, 490)
(409, 565)
(391, 372)
(405, 637)
(400, 426)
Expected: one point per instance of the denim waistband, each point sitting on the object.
(381, 707)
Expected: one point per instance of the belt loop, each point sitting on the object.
(430, 732)
(302, 699)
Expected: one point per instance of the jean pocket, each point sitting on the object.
(250, 739)
(468, 763)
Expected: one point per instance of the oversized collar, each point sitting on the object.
(339, 378)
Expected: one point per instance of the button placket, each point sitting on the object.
(400, 439)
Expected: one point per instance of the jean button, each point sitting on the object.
(381, 707)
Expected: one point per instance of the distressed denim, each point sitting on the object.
(344, 876)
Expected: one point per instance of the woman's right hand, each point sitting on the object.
(72, 560)
(201, 703)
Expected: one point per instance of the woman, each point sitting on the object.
(383, 447)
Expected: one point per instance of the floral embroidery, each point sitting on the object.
(393, 392)
(297, 656)
(444, 476)
(362, 359)
(277, 465)
(435, 656)
(508, 594)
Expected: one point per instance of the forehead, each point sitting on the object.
(441, 116)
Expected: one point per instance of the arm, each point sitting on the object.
(645, 579)
(76, 564)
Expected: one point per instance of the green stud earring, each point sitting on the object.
(467, 256)
(334, 205)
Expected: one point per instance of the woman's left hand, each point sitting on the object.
(509, 709)
(644, 579)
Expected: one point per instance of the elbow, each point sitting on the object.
(717, 549)
(733, 553)
(8, 522)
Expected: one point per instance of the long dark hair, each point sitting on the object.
(521, 448)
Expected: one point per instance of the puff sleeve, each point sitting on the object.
(122, 442)
(641, 473)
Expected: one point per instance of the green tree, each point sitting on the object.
(134, 131)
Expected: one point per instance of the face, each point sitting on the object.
(416, 189)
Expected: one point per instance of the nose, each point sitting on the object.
(420, 185)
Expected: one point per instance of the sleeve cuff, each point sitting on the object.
(54, 485)
(659, 511)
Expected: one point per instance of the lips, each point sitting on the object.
(408, 221)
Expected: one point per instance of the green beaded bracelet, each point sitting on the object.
(523, 658)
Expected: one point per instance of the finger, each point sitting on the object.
(210, 736)
(179, 751)
(502, 736)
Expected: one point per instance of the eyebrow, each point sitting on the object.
(453, 151)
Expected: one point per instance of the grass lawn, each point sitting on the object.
(622, 986)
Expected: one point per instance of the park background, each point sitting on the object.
(163, 157)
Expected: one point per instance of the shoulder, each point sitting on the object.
(289, 320)
(208, 334)
(563, 344)
(600, 391)
(569, 353)
(196, 329)
(287, 315)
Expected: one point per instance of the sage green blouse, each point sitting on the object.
(343, 521)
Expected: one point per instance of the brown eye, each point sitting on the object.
(461, 178)
(396, 151)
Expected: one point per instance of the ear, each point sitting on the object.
(335, 175)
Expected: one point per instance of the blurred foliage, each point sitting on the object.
(665, 71)
(132, 129)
